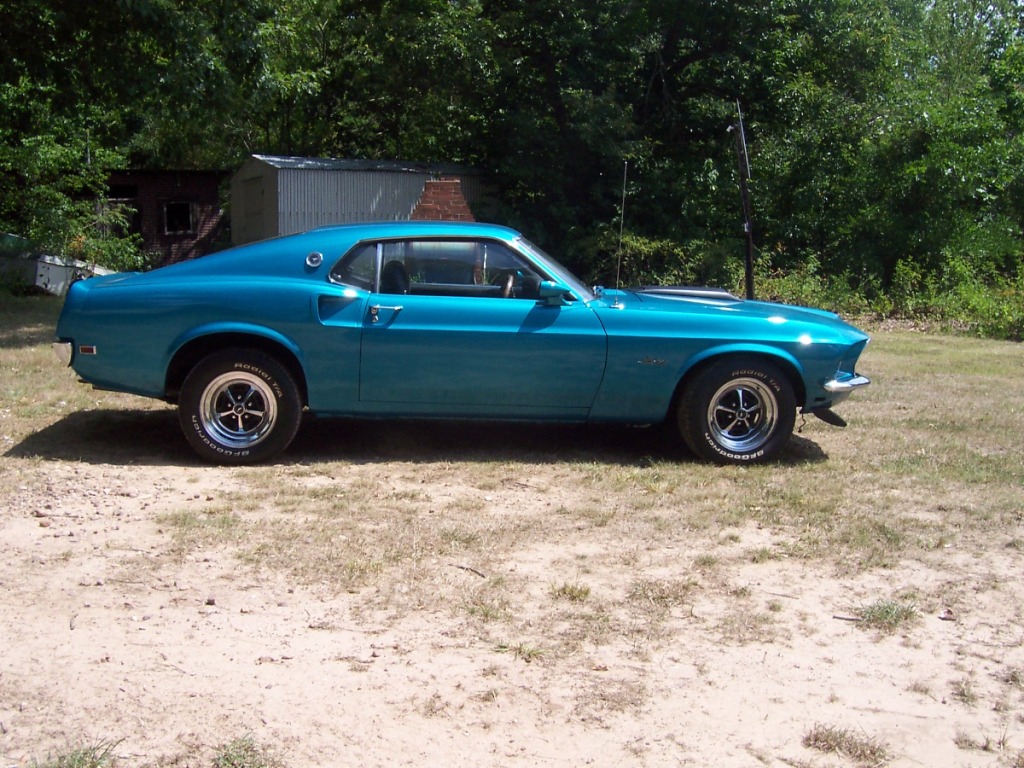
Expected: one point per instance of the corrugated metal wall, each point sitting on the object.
(273, 196)
(310, 198)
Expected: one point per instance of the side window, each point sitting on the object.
(471, 268)
(358, 268)
(437, 267)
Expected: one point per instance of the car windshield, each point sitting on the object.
(557, 270)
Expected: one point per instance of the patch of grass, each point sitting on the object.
(660, 594)
(963, 691)
(965, 741)
(705, 562)
(456, 539)
(522, 651)
(1013, 676)
(744, 626)
(862, 749)
(244, 752)
(609, 695)
(574, 593)
(887, 616)
(100, 755)
(921, 687)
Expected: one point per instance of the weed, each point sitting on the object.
(523, 651)
(963, 691)
(1013, 676)
(861, 749)
(574, 593)
(920, 687)
(244, 752)
(705, 562)
(99, 755)
(745, 626)
(456, 539)
(659, 593)
(887, 616)
(965, 741)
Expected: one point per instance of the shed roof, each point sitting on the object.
(332, 164)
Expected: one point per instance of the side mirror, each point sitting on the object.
(552, 291)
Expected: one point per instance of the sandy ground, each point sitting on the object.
(106, 636)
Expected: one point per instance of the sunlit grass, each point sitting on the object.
(579, 538)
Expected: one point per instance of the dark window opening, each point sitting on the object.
(178, 218)
(122, 191)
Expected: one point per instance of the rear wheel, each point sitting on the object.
(737, 411)
(239, 406)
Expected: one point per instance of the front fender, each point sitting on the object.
(741, 348)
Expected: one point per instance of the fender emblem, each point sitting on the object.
(651, 361)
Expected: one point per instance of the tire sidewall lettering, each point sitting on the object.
(760, 376)
(743, 457)
(255, 369)
(214, 446)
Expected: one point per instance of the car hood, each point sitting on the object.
(718, 304)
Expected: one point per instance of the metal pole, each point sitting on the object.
(748, 223)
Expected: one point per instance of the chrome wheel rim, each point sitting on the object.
(743, 414)
(238, 410)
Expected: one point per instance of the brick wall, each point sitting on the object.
(150, 193)
(442, 200)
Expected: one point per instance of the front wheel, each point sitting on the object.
(737, 411)
(239, 406)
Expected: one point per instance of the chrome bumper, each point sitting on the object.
(63, 351)
(846, 386)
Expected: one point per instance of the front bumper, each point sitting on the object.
(846, 385)
(843, 386)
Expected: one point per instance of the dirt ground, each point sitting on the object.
(111, 632)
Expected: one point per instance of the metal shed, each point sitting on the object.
(274, 195)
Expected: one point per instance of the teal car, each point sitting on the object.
(442, 320)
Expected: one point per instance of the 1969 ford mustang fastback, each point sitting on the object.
(447, 320)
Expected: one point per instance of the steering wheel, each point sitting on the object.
(506, 281)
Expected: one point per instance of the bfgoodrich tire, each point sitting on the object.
(239, 406)
(737, 411)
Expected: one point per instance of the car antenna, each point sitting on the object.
(622, 221)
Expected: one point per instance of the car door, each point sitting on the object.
(454, 331)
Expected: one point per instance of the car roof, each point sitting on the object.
(389, 229)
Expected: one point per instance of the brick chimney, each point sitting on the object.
(442, 200)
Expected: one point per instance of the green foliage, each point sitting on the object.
(639, 260)
(884, 135)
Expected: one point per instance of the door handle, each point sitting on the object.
(376, 308)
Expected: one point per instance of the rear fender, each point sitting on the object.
(196, 343)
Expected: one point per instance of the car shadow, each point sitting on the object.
(110, 436)
(147, 437)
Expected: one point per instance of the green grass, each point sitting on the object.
(244, 752)
(863, 750)
(887, 616)
(99, 755)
